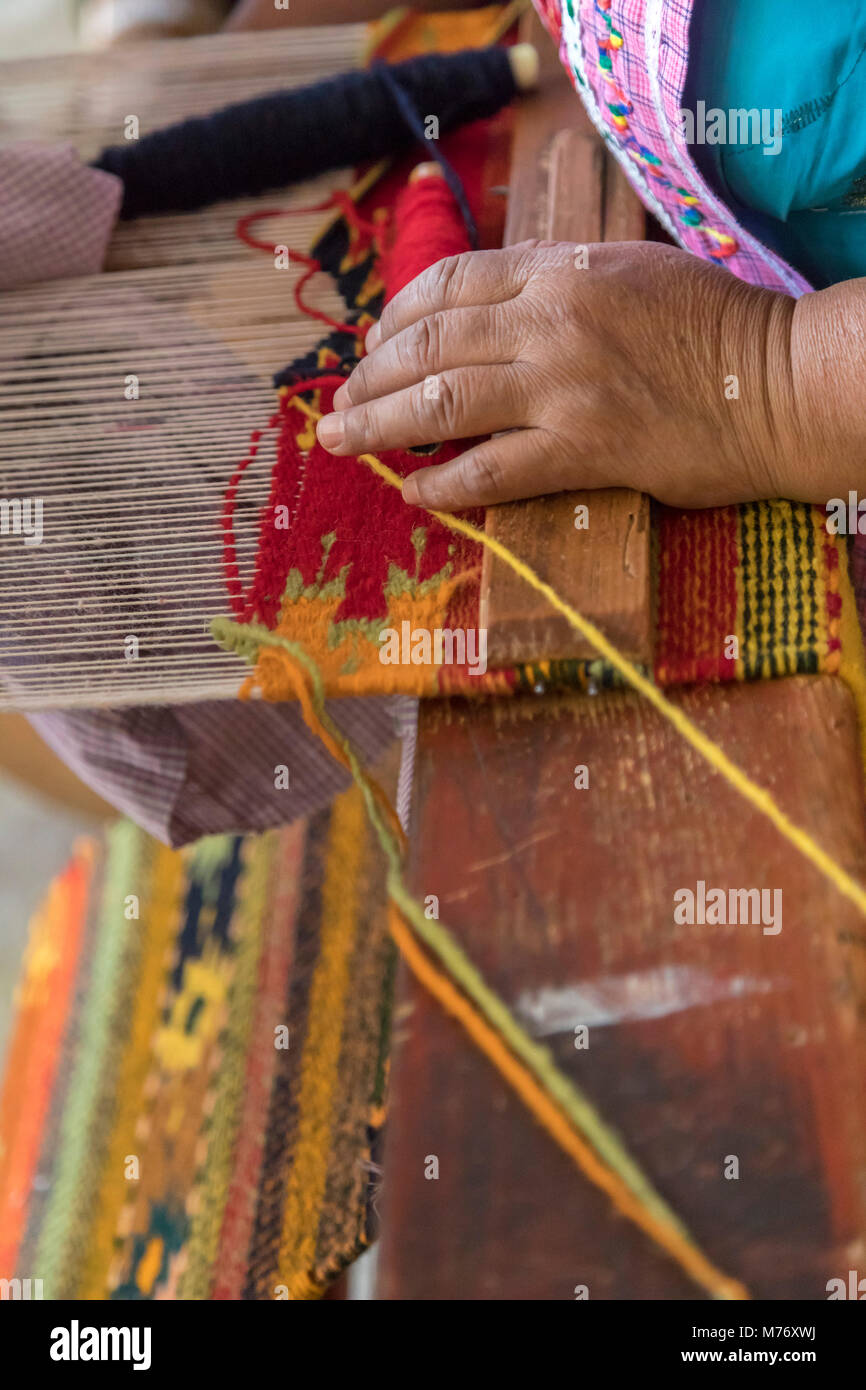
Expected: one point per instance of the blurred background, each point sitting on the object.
(31, 27)
(38, 26)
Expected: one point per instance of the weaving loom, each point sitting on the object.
(528, 874)
(134, 545)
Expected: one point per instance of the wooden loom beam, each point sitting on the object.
(705, 1043)
(566, 187)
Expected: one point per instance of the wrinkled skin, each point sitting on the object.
(609, 366)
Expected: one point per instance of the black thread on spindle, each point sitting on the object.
(415, 123)
(286, 137)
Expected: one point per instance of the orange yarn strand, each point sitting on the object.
(686, 1255)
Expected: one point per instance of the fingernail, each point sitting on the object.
(374, 336)
(411, 492)
(342, 397)
(331, 431)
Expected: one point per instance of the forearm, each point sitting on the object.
(828, 373)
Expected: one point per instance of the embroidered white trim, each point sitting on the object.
(795, 283)
(572, 32)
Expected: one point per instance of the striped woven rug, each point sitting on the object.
(193, 1093)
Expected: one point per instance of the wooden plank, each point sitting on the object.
(565, 187)
(539, 118)
(704, 1042)
(603, 572)
(624, 216)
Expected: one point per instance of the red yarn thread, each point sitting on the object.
(428, 226)
(247, 605)
(227, 521)
(346, 205)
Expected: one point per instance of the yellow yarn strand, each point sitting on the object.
(717, 758)
(668, 1234)
(555, 1101)
(548, 1093)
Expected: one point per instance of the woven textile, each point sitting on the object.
(742, 592)
(342, 559)
(194, 1086)
(767, 575)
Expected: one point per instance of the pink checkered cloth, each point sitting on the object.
(196, 769)
(56, 214)
(210, 768)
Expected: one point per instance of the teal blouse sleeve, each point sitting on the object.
(801, 184)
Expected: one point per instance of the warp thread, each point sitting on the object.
(282, 138)
(427, 224)
(369, 233)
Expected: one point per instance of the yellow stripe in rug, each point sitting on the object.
(852, 666)
(320, 1063)
(247, 933)
(158, 926)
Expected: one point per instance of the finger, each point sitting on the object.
(514, 466)
(466, 401)
(476, 277)
(451, 338)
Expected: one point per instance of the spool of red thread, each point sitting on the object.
(428, 226)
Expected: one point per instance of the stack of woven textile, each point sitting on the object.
(194, 1086)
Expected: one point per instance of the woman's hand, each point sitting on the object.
(617, 365)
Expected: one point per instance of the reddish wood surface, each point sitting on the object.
(717, 1041)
